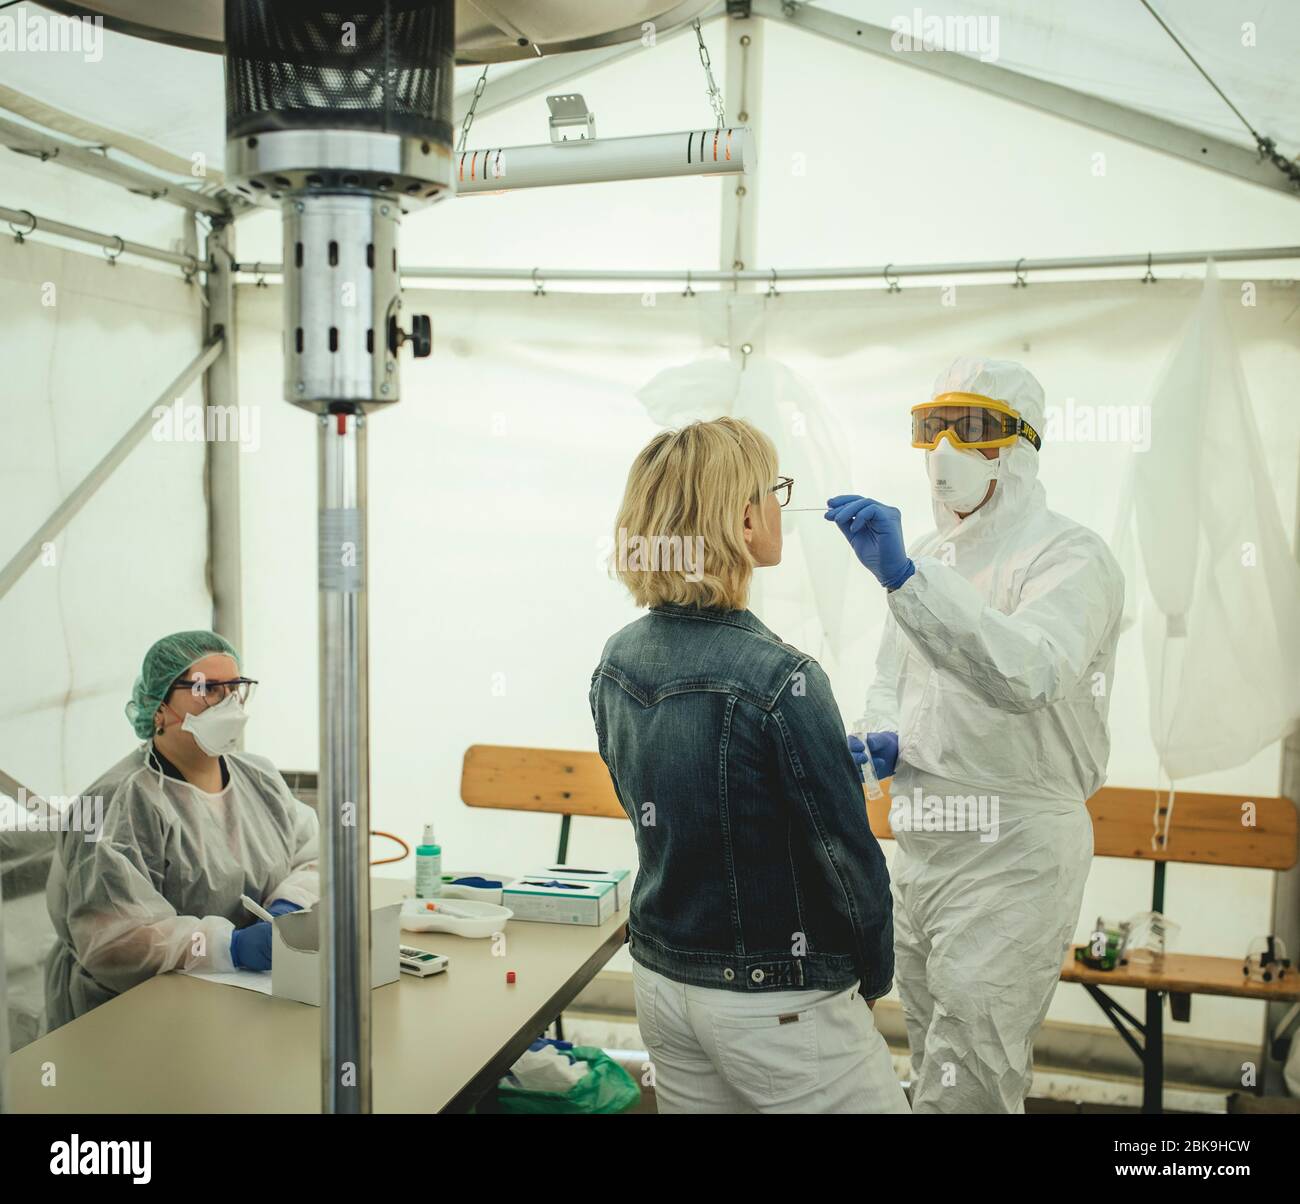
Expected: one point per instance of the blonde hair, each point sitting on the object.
(685, 504)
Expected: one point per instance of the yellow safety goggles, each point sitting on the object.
(969, 420)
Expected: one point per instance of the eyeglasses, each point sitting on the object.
(213, 692)
(971, 420)
(783, 488)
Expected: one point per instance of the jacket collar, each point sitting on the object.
(715, 614)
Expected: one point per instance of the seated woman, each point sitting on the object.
(188, 826)
(761, 922)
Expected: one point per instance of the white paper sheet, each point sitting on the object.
(248, 980)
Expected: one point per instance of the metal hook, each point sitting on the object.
(893, 284)
(188, 273)
(1020, 282)
(771, 286)
(121, 246)
(689, 292)
(746, 350)
(1149, 278)
(21, 235)
(539, 287)
(260, 273)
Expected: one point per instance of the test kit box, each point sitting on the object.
(560, 899)
(622, 879)
(295, 952)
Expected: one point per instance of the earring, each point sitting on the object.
(158, 731)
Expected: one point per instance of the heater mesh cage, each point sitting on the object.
(380, 65)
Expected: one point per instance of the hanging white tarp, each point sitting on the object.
(1221, 596)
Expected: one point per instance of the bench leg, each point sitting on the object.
(1153, 1056)
(1145, 1040)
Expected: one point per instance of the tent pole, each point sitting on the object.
(221, 391)
(1286, 907)
(26, 140)
(24, 222)
(743, 91)
(783, 275)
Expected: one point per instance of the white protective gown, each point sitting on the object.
(159, 890)
(995, 669)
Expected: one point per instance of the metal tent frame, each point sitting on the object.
(217, 265)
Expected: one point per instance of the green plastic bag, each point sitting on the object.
(606, 1088)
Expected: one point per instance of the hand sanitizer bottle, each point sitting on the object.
(428, 867)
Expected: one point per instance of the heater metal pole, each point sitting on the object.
(344, 765)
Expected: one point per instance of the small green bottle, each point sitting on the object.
(428, 867)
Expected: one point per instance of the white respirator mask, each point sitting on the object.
(959, 477)
(218, 729)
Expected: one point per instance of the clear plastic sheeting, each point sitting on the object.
(26, 933)
(1221, 604)
(810, 448)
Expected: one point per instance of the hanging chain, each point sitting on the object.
(715, 96)
(469, 116)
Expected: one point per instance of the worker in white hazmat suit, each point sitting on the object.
(989, 708)
(188, 825)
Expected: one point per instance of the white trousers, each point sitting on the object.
(763, 1051)
(980, 932)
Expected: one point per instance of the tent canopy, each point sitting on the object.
(1114, 50)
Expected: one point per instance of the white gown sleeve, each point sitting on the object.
(122, 929)
(1036, 655)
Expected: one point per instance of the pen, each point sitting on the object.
(257, 909)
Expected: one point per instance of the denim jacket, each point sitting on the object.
(758, 870)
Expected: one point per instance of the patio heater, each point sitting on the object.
(340, 114)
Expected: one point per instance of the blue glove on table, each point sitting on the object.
(875, 533)
(250, 948)
(282, 907)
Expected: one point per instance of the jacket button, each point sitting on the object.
(728, 974)
(758, 976)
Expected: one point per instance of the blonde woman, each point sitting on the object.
(761, 918)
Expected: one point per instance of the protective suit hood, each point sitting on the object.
(1018, 486)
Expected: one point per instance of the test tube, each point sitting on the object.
(867, 770)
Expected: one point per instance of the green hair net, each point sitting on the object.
(163, 664)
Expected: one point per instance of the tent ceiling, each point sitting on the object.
(494, 31)
(1115, 49)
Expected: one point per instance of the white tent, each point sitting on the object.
(1055, 132)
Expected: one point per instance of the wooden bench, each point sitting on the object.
(1207, 829)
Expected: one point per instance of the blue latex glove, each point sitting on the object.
(282, 907)
(875, 533)
(250, 948)
(882, 748)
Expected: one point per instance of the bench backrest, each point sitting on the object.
(1215, 829)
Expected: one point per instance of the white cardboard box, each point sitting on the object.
(295, 952)
(530, 898)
